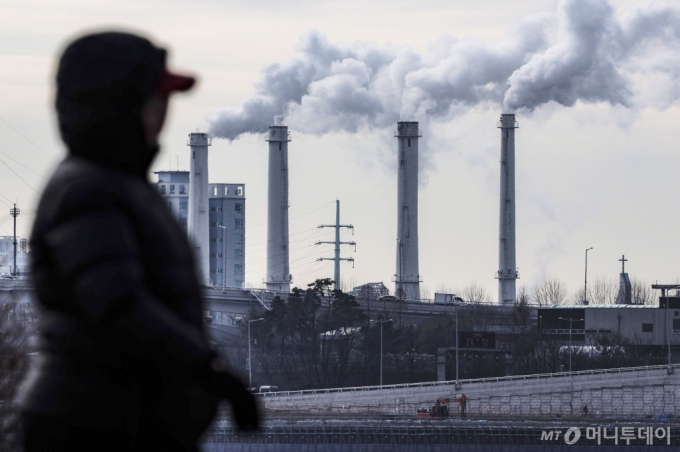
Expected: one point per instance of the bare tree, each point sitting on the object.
(475, 293)
(642, 292)
(551, 291)
(603, 291)
(523, 296)
(15, 338)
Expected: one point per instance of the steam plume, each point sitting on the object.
(583, 52)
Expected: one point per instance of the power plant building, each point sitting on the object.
(227, 234)
(174, 186)
(226, 223)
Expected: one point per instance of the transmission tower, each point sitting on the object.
(337, 244)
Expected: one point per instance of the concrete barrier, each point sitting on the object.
(627, 391)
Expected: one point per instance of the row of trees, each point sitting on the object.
(320, 338)
(551, 291)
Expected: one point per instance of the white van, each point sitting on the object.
(448, 299)
(268, 389)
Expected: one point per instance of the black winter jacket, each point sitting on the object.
(122, 337)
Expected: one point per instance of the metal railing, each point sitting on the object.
(617, 370)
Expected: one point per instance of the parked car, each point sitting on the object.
(387, 298)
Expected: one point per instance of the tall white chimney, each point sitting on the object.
(507, 265)
(407, 278)
(278, 266)
(198, 203)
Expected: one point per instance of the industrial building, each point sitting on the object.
(174, 186)
(227, 233)
(226, 223)
(638, 324)
(7, 255)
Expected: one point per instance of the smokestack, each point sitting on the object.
(507, 265)
(198, 202)
(278, 267)
(407, 279)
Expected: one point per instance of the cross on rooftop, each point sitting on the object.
(623, 261)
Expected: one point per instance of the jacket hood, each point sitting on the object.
(103, 82)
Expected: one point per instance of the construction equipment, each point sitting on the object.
(440, 409)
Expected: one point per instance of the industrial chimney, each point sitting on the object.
(507, 265)
(198, 202)
(278, 266)
(407, 279)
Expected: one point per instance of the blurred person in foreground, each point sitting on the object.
(125, 361)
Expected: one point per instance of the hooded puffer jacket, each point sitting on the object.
(123, 346)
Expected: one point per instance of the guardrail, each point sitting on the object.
(617, 370)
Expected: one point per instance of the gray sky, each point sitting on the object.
(600, 172)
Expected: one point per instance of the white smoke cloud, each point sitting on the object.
(593, 56)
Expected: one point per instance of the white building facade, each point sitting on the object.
(226, 223)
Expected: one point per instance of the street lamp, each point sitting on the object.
(250, 361)
(381, 348)
(585, 288)
(458, 386)
(570, 328)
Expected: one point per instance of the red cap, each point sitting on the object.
(171, 82)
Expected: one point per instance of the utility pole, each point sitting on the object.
(337, 244)
(15, 213)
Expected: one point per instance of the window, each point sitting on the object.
(409, 142)
(182, 189)
(161, 189)
(238, 208)
(677, 313)
(239, 191)
(238, 239)
(238, 223)
(216, 240)
(226, 191)
(216, 209)
(216, 255)
(647, 327)
(172, 189)
(214, 191)
(238, 269)
(238, 254)
(219, 270)
(215, 224)
(676, 325)
(183, 206)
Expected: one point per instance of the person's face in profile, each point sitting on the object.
(153, 118)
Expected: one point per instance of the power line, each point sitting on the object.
(25, 137)
(15, 173)
(21, 164)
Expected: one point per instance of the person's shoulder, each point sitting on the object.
(78, 186)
